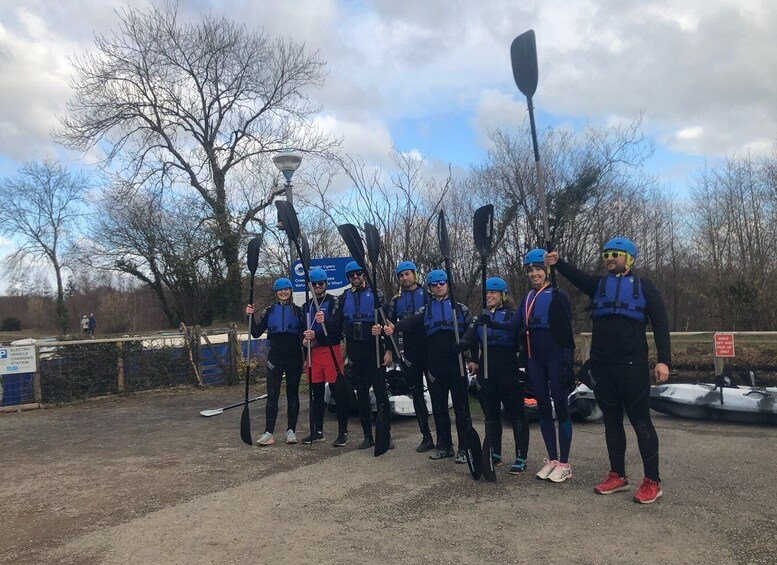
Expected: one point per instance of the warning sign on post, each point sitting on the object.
(724, 345)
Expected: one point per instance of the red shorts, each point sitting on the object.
(323, 365)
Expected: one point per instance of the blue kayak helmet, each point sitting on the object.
(496, 283)
(351, 267)
(436, 276)
(317, 275)
(280, 284)
(622, 244)
(534, 257)
(406, 266)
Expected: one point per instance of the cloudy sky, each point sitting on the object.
(434, 76)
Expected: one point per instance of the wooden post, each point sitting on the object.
(197, 353)
(120, 365)
(36, 392)
(232, 350)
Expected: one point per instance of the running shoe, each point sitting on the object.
(426, 445)
(544, 473)
(561, 473)
(612, 483)
(313, 438)
(265, 439)
(648, 492)
(291, 437)
(497, 459)
(442, 453)
(341, 440)
(366, 443)
(461, 457)
(519, 467)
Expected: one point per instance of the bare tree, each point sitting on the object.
(41, 208)
(176, 103)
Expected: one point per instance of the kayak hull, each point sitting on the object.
(750, 405)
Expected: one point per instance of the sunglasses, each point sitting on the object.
(613, 254)
(354, 274)
(436, 284)
(318, 283)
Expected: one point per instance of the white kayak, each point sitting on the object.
(757, 405)
(400, 402)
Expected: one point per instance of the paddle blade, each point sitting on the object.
(305, 254)
(523, 54)
(288, 217)
(474, 453)
(245, 426)
(442, 236)
(253, 254)
(372, 238)
(487, 458)
(353, 242)
(483, 228)
(560, 324)
(208, 413)
(382, 433)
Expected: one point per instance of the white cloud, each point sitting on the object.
(696, 64)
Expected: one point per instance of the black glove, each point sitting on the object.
(484, 320)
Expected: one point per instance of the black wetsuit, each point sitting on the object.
(360, 349)
(619, 367)
(443, 368)
(504, 385)
(413, 345)
(285, 356)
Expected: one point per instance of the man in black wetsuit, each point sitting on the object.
(623, 304)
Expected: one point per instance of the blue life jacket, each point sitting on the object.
(539, 316)
(620, 296)
(498, 337)
(326, 304)
(438, 317)
(359, 306)
(409, 301)
(283, 319)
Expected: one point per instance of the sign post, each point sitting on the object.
(724, 349)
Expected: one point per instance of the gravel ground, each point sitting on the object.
(145, 479)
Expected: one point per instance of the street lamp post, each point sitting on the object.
(287, 162)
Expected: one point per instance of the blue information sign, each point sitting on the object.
(335, 270)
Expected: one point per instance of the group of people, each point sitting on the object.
(419, 327)
(88, 324)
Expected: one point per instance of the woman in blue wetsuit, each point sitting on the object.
(545, 365)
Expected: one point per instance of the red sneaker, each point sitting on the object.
(612, 483)
(649, 491)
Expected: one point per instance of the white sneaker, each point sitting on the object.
(561, 473)
(545, 472)
(291, 437)
(265, 439)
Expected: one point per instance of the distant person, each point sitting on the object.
(623, 304)
(92, 324)
(85, 325)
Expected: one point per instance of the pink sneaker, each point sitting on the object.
(545, 472)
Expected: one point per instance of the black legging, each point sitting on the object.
(415, 381)
(503, 387)
(620, 387)
(365, 373)
(275, 371)
(440, 383)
